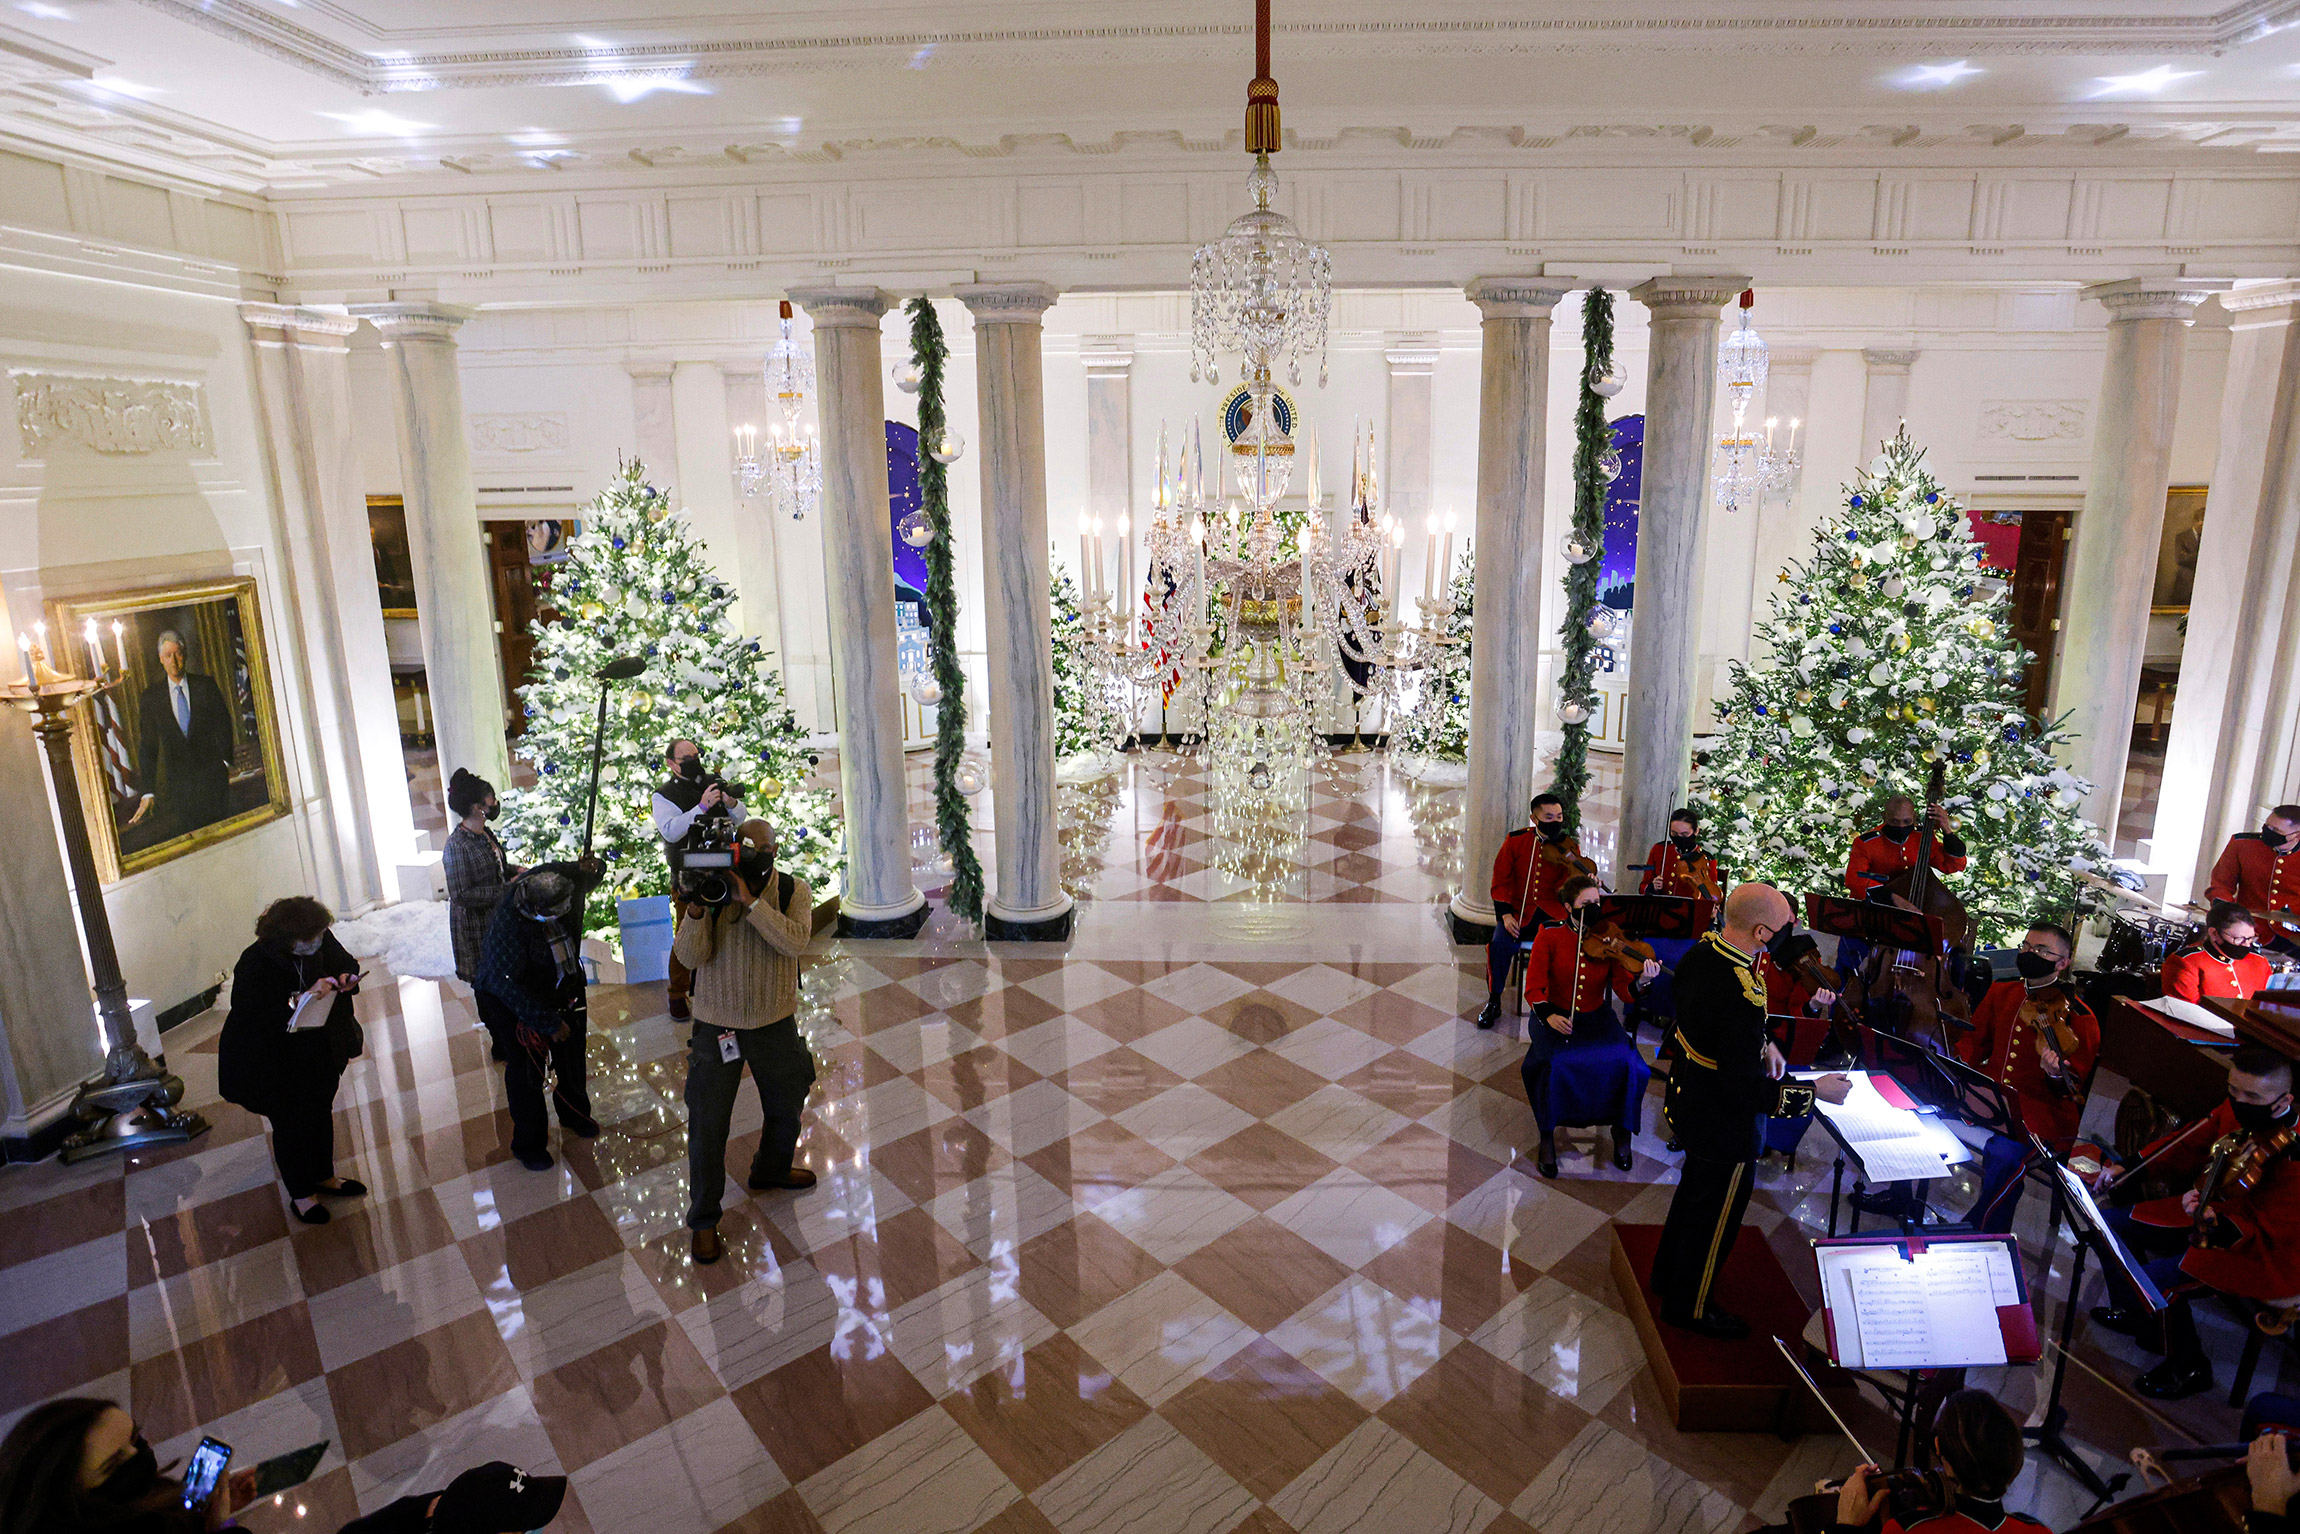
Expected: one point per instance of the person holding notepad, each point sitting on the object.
(1716, 1107)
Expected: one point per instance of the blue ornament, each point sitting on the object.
(1804, 599)
(1841, 669)
(1760, 710)
(1836, 628)
(670, 596)
(550, 768)
(1756, 755)
(2012, 731)
(800, 834)
(718, 592)
(619, 543)
(1835, 794)
(563, 820)
(1932, 496)
(651, 649)
(1965, 592)
(1964, 756)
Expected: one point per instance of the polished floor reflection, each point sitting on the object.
(1220, 1219)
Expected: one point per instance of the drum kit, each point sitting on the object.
(2139, 944)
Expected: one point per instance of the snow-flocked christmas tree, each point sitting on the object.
(1088, 714)
(1888, 650)
(639, 582)
(1436, 725)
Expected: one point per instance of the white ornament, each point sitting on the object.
(1857, 734)
(1574, 551)
(915, 530)
(949, 449)
(1892, 587)
(1801, 727)
(1880, 673)
(906, 376)
(1609, 383)
(926, 692)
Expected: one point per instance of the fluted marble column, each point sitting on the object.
(1665, 644)
(452, 590)
(2233, 751)
(1028, 901)
(303, 381)
(1885, 403)
(2112, 557)
(1507, 630)
(858, 571)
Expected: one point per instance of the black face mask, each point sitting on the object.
(1899, 833)
(2272, 836)
(2227, 949)
(494, 810)
(2253, 1118)
(690, 767)
(133, 1478)
(1551, 830)
(2033, 966)
(1781, 945)
(1684, 843)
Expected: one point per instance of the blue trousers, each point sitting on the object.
(1502, 949)
(1593, 1075)
(2003, 1160)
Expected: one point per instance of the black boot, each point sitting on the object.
(1624, 1156)
(1491, 1013)
(2175, 1379)
(1545, 1157)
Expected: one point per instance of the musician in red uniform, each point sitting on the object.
(2260, 870)
(2024, 1055)
(2223, 962)
(1526, 875)
(1787, 994)
(1581, 1066)
(1892, 847)
(2246, 1244)
(1977, 1447)
(1681, 865)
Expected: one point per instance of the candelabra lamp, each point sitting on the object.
(133, 1104)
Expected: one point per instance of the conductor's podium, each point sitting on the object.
(1723, 1387)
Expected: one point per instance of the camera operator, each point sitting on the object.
(530, 994)
(1977, 1447)
(744, 957)
(689, 797)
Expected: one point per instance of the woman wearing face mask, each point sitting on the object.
(289, 1075)
(78, 1466)
(478, 869)
(2224, 962)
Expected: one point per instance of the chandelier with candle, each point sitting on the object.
(791, 468)
(1749, 467)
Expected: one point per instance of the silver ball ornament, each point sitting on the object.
(915, 529)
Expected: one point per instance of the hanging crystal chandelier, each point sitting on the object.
(791, 468)
(1748, 467)
(1261, 290)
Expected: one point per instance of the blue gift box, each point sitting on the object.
(646, 937)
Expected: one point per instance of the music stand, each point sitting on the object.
(1979, 1099)
(1880, 926)
(2073, 1201)
(1664, 916)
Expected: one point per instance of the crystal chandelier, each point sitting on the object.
(791, 469)
(1749, 467)
(1261, 290)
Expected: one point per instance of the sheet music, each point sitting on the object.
(311, 1010)
(1893, 1144)
(2189, 1013)
(1935, 1310)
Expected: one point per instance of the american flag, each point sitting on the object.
(112, 748)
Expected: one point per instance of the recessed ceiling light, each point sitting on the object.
(374, 121)
(2146, 83)
(43, 10)
(1925, 76)
(630, 88)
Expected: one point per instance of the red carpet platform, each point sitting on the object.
(1723, 1387)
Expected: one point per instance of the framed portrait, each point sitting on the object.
(2176, 554)
(183, 750)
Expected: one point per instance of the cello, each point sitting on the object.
(1918, 994)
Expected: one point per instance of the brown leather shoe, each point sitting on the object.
(797, 1180)
(708, 1247)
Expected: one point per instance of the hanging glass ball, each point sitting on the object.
(926, 692)
(950, 449)
(1604, 623)
(1572, 713)
(642, 701)
(1982, 629)
(915, 529)
(1609, 464)
(1574, 551)
(906, 376)
(659, 511)
(1609, 382)
(968, 779)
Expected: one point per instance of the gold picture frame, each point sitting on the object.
(154, 789)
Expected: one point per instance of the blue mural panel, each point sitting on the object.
(1617, 567)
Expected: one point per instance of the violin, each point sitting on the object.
(2048, 1013)
(1608, 945)
(2241, 1162)
(1554, 854)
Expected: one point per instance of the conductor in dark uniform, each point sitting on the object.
(1716, 1106)
(183, 747)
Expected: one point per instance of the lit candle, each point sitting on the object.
(1085, 557)
(1793, 424)
(1430, 561)
(746, 441)
(1445, 567)
(1770, 422)
(1311, 488)
(1122, 567)
(120, 646)
(95, 649)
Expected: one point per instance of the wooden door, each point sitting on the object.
(2036, 595)
(513, 579)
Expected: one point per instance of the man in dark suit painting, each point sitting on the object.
(183, 747)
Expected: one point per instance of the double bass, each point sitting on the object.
(1916, 994)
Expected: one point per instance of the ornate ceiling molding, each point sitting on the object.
(110, 415)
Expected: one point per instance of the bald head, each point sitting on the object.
(1901, 810)
(1753, 906)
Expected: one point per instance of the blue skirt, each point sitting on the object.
(1595, 1076)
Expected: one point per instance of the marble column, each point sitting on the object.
(1886, 402)
(454, 594)
(1664, 645)
(2112, 555)
(2232, 756)
(858, 571)
(303, 383)
(1507, 628)
(1028, 901)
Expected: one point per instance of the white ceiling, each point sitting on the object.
(280, 94)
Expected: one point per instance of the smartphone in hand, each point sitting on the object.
(205, 1472)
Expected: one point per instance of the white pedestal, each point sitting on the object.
(423, 878)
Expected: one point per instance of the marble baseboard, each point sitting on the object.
(906, 925)
(1054, 929)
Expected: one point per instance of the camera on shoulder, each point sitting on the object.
(704, 862)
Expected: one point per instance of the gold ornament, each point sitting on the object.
(769, 789)
(1932, 753)
(1804, 695)
(1981, 757)
(1782, 576)
(1868, 780)
(591, 610)
(1857, 580)
(1901, 644)
(1860, 560)
(658, 512)
(642, 701)
(1924, 705)
(1908, 540)
(1982, 628)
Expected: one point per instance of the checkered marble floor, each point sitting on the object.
(1220, 1219)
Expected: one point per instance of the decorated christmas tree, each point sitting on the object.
(1435, 726)
(1887, 651)
(639, 582)
(1087, 712)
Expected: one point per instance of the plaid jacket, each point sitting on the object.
(478, 872)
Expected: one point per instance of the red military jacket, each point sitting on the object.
(2198, 971)
(1557, 976)
(2255, 875)
(2263, 1262)
(1877, 857)
(2004, 1047)
(1667, 872)
(1785, 994)
(1525, 884)
(1970, 1518)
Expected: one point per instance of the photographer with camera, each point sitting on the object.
(530, 993)
(741, 932)
(690, 798)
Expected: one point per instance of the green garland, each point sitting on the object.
(931, 352)
(1591, 437)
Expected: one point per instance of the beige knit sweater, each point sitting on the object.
(747, 964)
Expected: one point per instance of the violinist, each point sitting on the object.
(1533, 864)
(2036, 1036)
(1581, 1067)
(2223, 963)
(2260, 870)
(1977, 1447)
(2243, 1241)
(1681, 865)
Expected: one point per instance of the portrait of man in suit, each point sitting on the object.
(183, 747)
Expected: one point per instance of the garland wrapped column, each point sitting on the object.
(1577, 690)
(930, 353)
